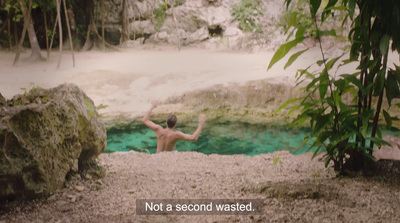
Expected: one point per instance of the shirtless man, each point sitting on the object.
(167, 137)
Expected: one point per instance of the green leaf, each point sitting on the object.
(322, 121)
(327, 161)
(288, 3)
(294, 108)
(331, 32)
(287, 103)
(300, 32)
(352, 8)
(328, 9)
(353, 79)
(396, 73)
(283, 50)
(300, 73)
(384, 44)
(379, 82)
(314, 6)
(379, 142)
(316, 152)
(388, 119)
(323, 85)
(332, 62)
(340, 84)
(294, 58)
(320, 62)
(300, 120)
(365, 119)
(323, 88)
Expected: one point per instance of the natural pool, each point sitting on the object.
(224, 139)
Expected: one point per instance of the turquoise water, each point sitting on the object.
(220, 139)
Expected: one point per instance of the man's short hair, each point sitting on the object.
(171, 121)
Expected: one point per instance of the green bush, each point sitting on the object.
(346, 133)
(248, 13)
(160, 14)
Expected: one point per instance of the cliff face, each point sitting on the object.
(229, 23)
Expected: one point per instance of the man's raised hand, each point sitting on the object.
(202, 119)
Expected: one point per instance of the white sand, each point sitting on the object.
(127, 81)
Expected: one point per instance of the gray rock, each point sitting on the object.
(198, 36)
(142, 10)
(161, 37)
(141, 28)
(233, 31)
(42, 142)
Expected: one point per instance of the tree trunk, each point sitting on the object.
(102, 25)
(69, 32)
(59, 31)
(125, 22)
(93, 38)
(52, 35)
(176, 24)
(19, 44)
(9, 33)
(45, 29)
(36, 55)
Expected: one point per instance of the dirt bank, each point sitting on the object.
(293, 190)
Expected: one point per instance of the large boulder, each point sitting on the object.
(44, 135)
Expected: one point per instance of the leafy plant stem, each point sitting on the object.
(379, 105)
(327, 71)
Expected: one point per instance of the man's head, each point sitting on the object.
(171, 121)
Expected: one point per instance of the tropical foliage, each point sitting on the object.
(248, 13)
(346, 132)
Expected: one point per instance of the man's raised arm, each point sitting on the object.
(146, 117)
(196, 134)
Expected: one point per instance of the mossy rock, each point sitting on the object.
(44, 135)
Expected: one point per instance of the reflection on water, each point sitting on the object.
(222, 139)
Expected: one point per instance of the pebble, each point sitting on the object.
(79, 188)
(99, 182)
(51, 198)
(88, 177)
(61, 203)
(132, 191)
(72, 197)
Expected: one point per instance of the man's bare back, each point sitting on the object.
(167, 137)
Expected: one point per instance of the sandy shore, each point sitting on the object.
(128, 80)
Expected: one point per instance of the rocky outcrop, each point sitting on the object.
(188, 22)
(44, 135)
